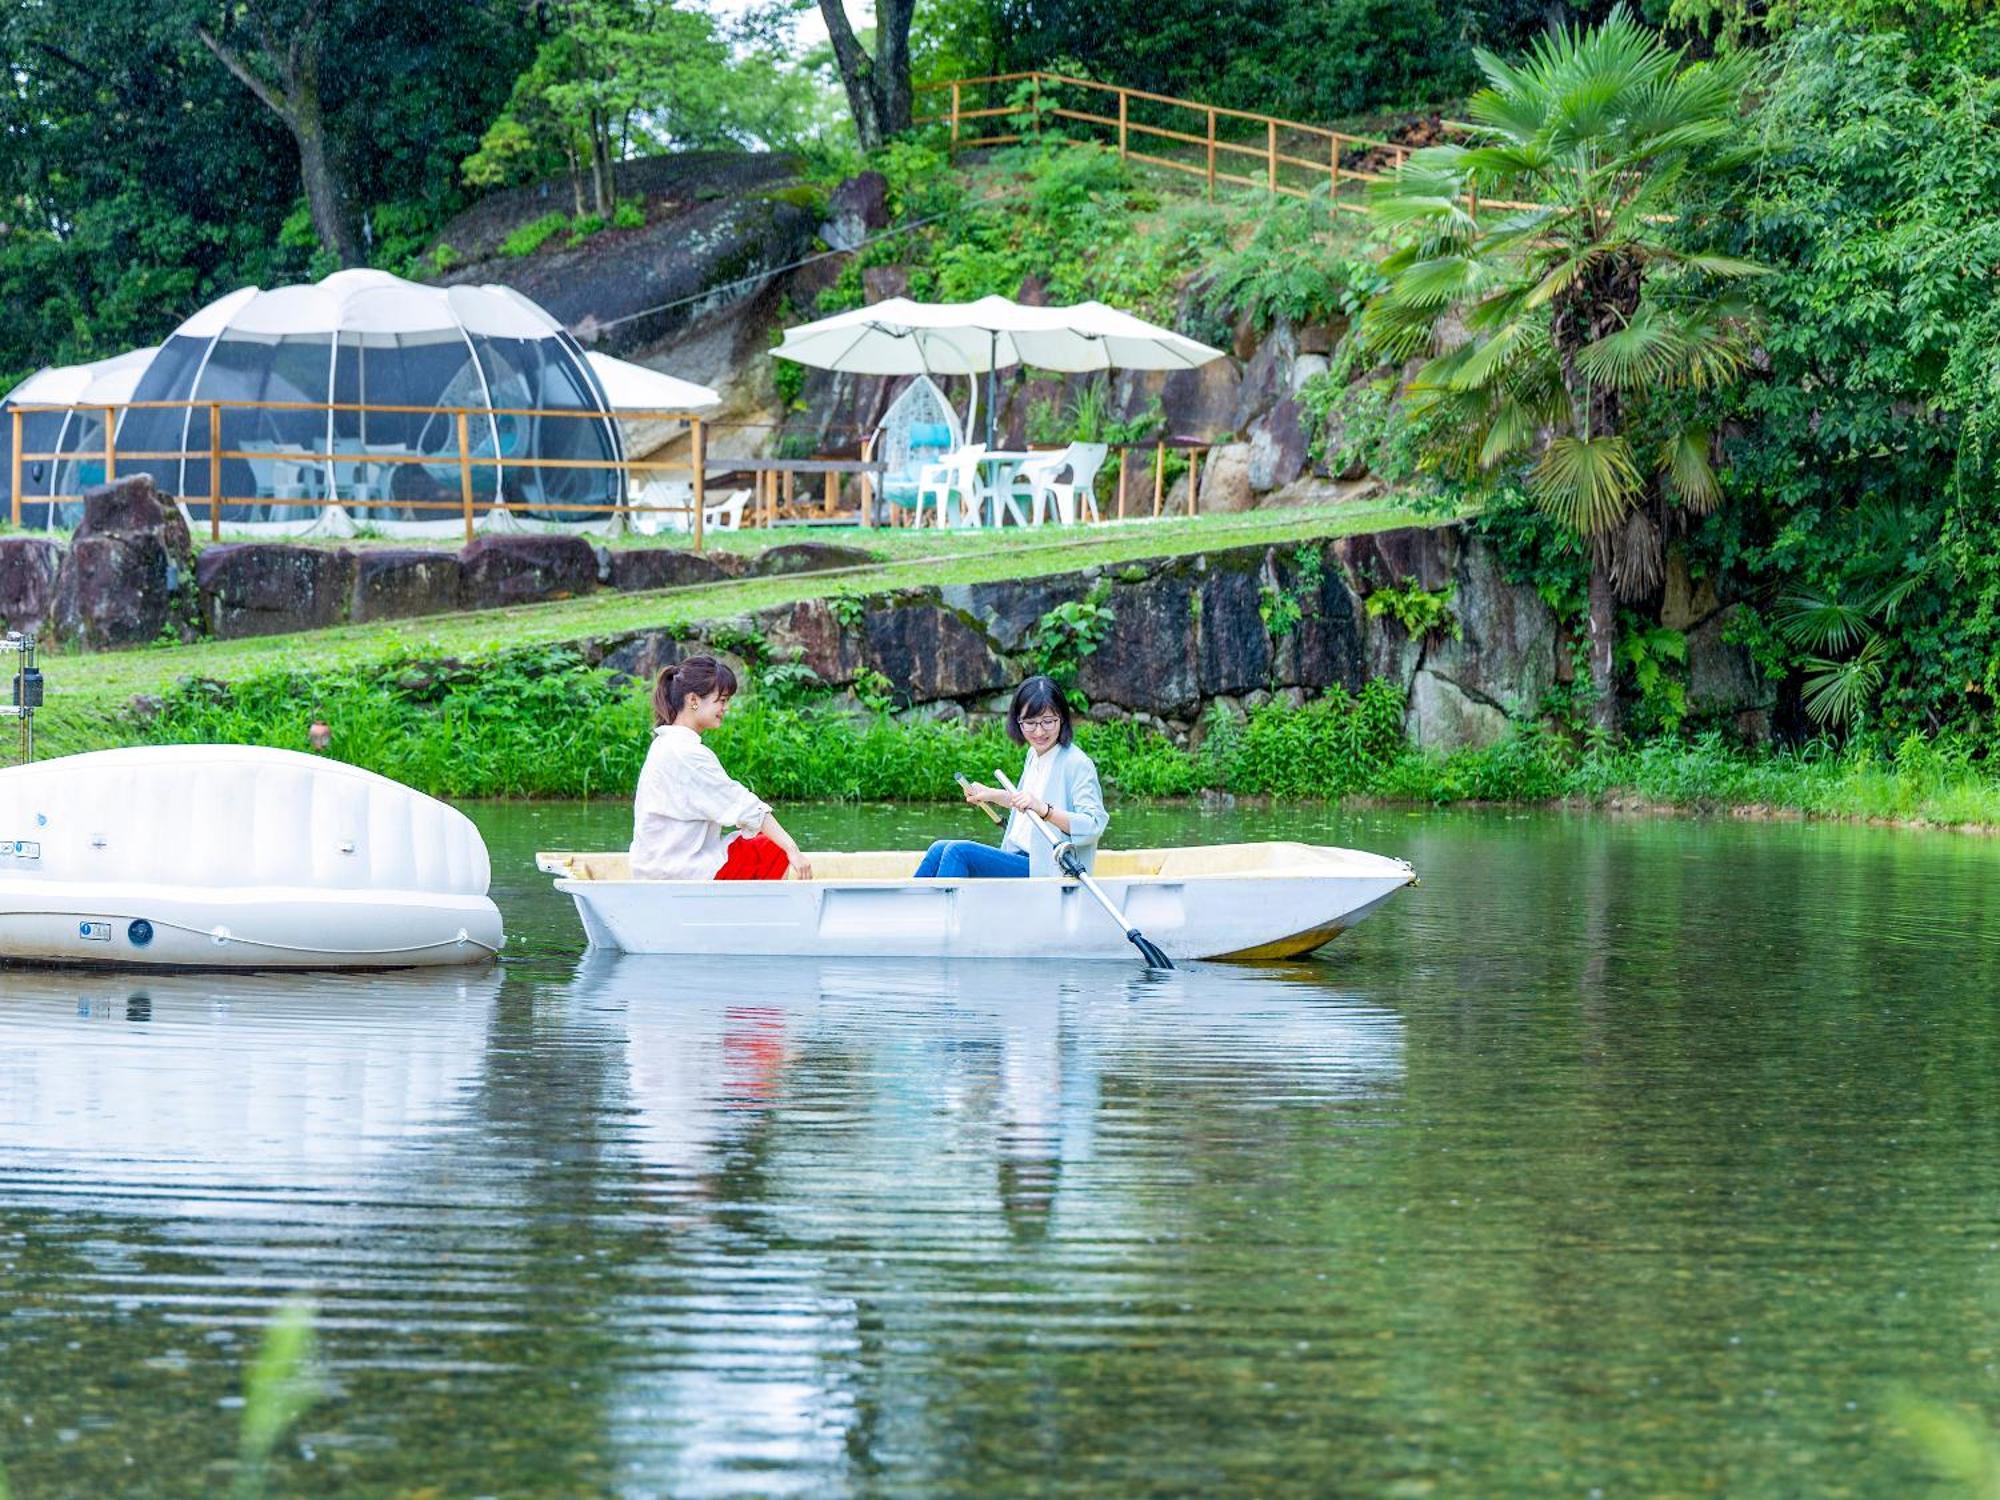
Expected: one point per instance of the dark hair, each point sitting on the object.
(1037, 696)
(697, 676)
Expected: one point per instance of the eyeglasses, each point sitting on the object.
(1045, 723)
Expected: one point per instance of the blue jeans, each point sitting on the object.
(958, 859)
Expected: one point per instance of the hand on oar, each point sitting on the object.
(1068, 863)
(976, 795)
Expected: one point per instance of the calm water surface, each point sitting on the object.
(1632, 1158)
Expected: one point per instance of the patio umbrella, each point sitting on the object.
(901, 337)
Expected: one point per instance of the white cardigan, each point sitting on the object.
(685, 800)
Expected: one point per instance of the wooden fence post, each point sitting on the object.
(1334, 152)
(1123, 99)
(831, 488)
(954, 114)
(867, 483)
(1159, 475)
(1123, 454)
(1038, 105)
(1194, 476)
(110, 445)
(1211, 156)
(465, 471)
(215, 471)
(698, 457)
(1271, 154)
(15, 415)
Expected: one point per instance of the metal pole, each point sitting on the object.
(15, 413)
(992, 387)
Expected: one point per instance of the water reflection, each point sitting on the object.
(844, 1149)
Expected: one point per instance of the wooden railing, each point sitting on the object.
(1286, 157)
(771, 476)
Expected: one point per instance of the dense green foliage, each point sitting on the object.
(542, 724)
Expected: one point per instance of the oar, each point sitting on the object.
(1068, 863)
(986, 807)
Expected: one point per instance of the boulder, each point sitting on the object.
(28, 569)
(1723, 680)
(504, 570)
(1147, 658)
(809, 632)
(1278, 448)
(858, 205)
(1010, 609)
(1266, 377)
(1327, 643)
(398, 583)
(273, 588)
(1201, 403)
(640, 568)
(1443, 715)
(880, 283)
(1234, 648)
(641, 656)
(128, 575)
(1225, 481)
(808, 557)
(133, 505)
(929, 652)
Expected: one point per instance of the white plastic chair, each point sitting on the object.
(726, 514)
(1038, 477)
(957, 473)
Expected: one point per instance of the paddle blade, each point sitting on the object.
(1149, 950)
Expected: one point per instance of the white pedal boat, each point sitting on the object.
(235, 857)
(1238, 901)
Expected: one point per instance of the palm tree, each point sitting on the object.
(1565, 315)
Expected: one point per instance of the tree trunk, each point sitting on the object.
(1603, 624)
(878, 87)
(600, 165)
(295, 98)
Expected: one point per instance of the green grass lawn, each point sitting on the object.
(84, 687)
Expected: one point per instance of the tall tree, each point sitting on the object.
(277, 50)
(1575, 328)
(877, 84)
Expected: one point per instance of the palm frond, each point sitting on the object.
(1588, 484)
(1639, 354)
(1814, 622)
(1840, 691)
(1690, 475)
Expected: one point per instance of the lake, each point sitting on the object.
(1620, 1157)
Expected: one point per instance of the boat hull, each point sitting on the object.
(154, 926)
(1252, 917)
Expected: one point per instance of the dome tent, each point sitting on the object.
(368, 339)
(77, 434)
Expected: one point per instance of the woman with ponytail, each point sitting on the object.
(686, 799)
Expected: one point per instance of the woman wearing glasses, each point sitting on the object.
(1059, 783)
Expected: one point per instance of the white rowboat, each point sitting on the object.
(235, 857)
(1237, 901)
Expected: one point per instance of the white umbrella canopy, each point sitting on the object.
(630, 387)
(902, 337)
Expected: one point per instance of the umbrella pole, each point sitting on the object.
(992, 398)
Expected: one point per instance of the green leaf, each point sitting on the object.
(1588, 484)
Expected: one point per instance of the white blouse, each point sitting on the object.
(1035, 782)
(685, 800)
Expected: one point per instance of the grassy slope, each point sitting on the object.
(85, 690)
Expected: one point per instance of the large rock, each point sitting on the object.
(128, 578)
(641, 568)
(399, 583)
(1225, 481)
(28, 569)
(1723, 680)
(1444, 715)
(1278, 447)
(809, 557)
(858, 205)
(641, 656)
(1147, 658)
(273, 588)
(1010, 609)
(1201, 403)
(1234, 646)
(811, 633)
(929, 652)
(1326, 644)
(1266, 378)
(504, 570)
